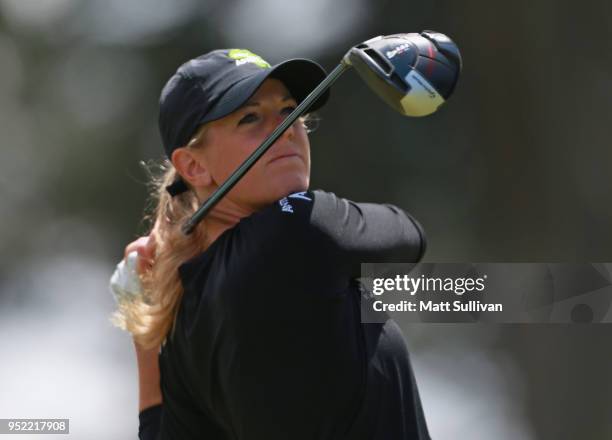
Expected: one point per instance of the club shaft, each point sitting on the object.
(260, 151)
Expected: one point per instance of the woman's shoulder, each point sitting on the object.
(280, 225)
(297, 209)
(290, 206)
(284, 217)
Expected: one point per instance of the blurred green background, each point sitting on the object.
(516, 167)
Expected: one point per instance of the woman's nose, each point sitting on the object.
(277, 120)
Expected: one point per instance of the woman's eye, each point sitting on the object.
(288, 110)
(251, 117)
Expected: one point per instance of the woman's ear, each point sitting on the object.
(191, 168)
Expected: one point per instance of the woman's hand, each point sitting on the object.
(125, 283)
(145, 247)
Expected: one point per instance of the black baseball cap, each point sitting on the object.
(215, 84)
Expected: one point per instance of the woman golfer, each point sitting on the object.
(257, 312)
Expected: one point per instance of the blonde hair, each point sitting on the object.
(150, 317)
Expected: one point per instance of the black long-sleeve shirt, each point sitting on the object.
(268, 341)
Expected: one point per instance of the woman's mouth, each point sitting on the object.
(283, 156)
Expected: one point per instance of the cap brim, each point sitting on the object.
(300, 76)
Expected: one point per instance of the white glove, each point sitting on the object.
(125, 282)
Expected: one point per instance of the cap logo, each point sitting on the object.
(243, 56)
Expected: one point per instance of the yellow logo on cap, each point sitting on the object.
(246, 56)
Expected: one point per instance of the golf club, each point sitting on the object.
(413, 73)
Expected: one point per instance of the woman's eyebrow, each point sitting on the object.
(256, 103)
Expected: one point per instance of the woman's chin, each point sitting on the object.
(292, 185)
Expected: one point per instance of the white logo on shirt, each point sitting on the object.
(300, 195)
(286, 206)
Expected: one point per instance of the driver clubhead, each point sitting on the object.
(413, 73)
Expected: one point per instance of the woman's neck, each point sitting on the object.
(225, 215)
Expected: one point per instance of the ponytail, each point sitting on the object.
(151, 317)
